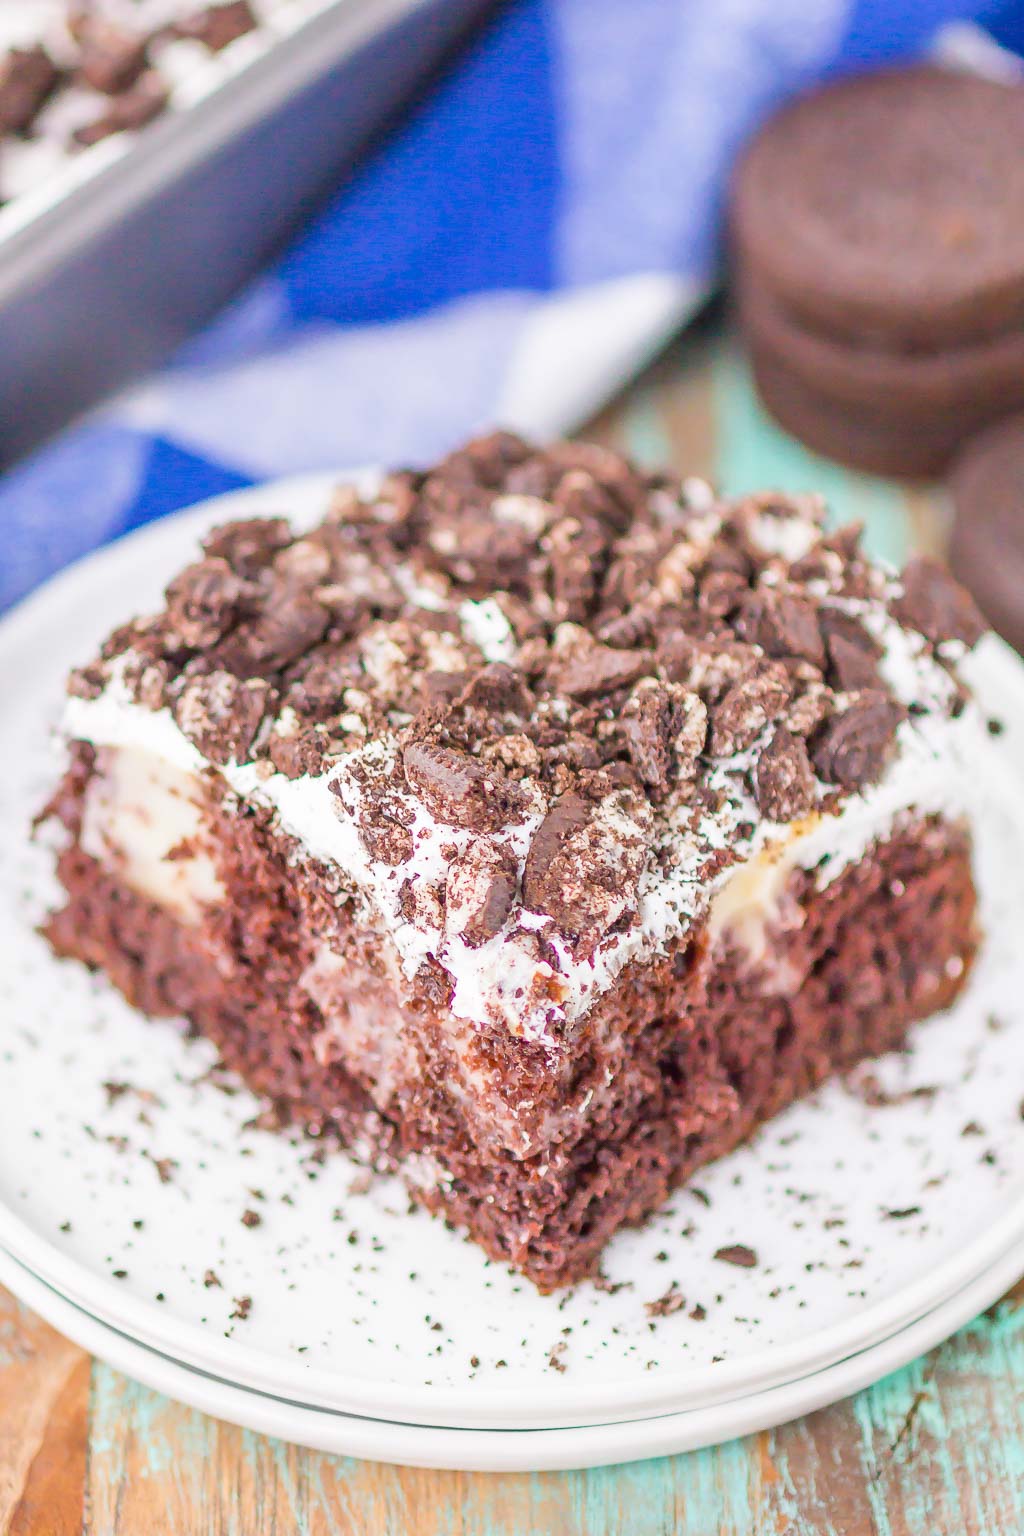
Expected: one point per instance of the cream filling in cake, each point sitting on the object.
(146, 818)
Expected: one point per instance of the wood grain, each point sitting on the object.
(44, 1420)
(935, 1450)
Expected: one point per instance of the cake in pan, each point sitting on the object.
(75, 72)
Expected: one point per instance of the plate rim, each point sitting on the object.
(666, 1393)
(504, 1450)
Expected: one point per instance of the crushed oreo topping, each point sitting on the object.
(936, 605)
(479, 892)
(748, 706)
(853, 653)
(853, 746)
(784, 778)
(665, 729)
(460, 790)
(550, 669)
(221, 713)
(130, 109)
(111, 57)
(28, 77)
(216, 26)
(114, 54)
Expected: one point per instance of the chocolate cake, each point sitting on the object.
(75, 72)
(538, 825)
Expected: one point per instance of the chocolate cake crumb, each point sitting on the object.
(738, 1254)
(871, 1091)
(601, 1282)
(555, 1354)
(275, 1116)
(242, 1307)
(672, 1301)
(164, 1166)
(251, 1218)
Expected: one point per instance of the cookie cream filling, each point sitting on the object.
(941, 765)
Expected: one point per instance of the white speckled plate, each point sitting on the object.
(509, 1450)
(863, 1218)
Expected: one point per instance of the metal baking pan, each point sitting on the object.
(103, 275)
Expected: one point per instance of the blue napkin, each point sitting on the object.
(513, 253)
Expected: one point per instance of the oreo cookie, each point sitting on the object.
(889, 208)
(987, 543)
(878, 244)
(874, 440)
(976, 380)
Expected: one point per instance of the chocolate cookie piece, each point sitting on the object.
(111, 59)
(132, 109)
(879, 441)
(218, 25)
(891, 205)
(987, 545)
(28, 77)
(982, 379)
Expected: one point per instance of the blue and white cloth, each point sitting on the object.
(512, 254)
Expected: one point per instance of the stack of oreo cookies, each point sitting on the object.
(878, 242)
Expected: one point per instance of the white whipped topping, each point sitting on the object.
(941, 766)
(486, 627)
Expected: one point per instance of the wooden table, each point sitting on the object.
(935, 1450)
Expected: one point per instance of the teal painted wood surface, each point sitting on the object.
(934, 1450)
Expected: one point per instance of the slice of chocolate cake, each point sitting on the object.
(539, 824)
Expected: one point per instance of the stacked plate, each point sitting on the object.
(268, 1281)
